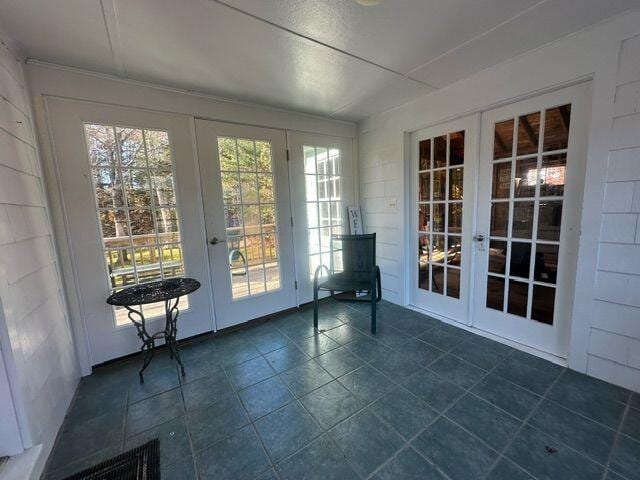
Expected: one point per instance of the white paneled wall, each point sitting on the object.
(614, 340)
(37, 345)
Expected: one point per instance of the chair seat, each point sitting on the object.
(343, 283)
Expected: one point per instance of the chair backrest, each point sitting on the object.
(353, 255)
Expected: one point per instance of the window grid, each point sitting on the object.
(124, 258)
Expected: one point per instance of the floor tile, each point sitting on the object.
(366, 383)
(591, 397)
(202, 367)
(298, 329)
(305, 378)
(396, 366)
(320, 460)
(586, 436)
(205, 391)
(506, 395)
(408, 465)
(635, 400)
(331, 403)
(238, 457)
(248, 373)
(420, 352)
(339, 361)
(270, 341)
(286, 358)
(287, 430)
(485, 421)
(404, 411)
(390, 336)
(368, 349)
(480, 354)
(507, 470)
(239, 354)
(625, 458)
(530, 372)
(441, 339)
(265, 397)
(344, 334)
(182, 470)
(545, 457)
(454, 451)
(153, 411)
(268, 475)
(613, 476)
(413, 323)
(215, 421)
(631, 424)
(457, 371)
(87, 406)
(65, 468)
(433, 389)
(155, 382)
(366, 441)
(174, 440)
(317, 345)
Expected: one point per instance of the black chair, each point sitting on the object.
(353, 269)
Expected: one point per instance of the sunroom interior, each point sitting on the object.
(320, 239)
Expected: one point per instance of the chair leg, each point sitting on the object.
(315, 308)
(373, 310)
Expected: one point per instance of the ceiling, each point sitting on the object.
(329, 57)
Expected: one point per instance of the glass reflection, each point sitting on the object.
(525, 178)
(438, 249)
(455, 218)
(423, 218)
(517, 301)
(528, 133)
(497, 256)
(454, 250)
(522, 221)
(546, 266)
(499, 219)
(556, 128)
(438, 217)
(423, 262)
(455, 183)
(501, 180)
(425, 187)
(520, 262)
(503, 139)
(549, 220)
(440, 185)
(552, 175)
(543, 304)
(437, 279)
(440, 151)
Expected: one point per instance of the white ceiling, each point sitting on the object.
(327, 57)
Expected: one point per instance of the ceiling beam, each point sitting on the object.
(110, 17)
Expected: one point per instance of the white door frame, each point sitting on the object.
(232, 312)
(65, 120)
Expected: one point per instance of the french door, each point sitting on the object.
(245, 187)
(322, 187)
(132, 208)
(443, 166)
(532, 157)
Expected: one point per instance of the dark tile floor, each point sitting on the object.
(421, 400)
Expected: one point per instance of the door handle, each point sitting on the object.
(479, 238)
(215, 241)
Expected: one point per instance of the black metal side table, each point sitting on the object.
(167, 291)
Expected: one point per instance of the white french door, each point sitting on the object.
(442, 192)
(247, 214)
(322, 187)
(130, 192)
(531, 175)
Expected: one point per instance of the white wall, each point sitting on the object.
(593, 55)
(37, 345)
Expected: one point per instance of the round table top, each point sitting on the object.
(154, 292)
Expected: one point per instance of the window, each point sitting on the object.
(324, 202)
(133, 182)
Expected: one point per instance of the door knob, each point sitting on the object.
(215, 241)
(479, 238)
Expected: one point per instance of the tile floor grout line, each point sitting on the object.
(524, 423)
(616, 436)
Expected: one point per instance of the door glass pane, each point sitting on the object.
(425, 187)
(522, 222)
(552, 175)
(440, 151)
(503, 139)
(542, 305)
(546, 266)
(499, 219)
(495, 293)
(455, 218)
(325, 207)
(525, 178)
(549, 218)
(455, 183)
(556, 128)
(423, 262)
(528, 133)
(501, 180)
(250, 215)
(497, 256)
(454, 250)
(456, 148)
(453, 282)
(437, 279)
(520, 259)
(440, 185)
(423, 217)
(132, 173)
(517, 302)
(425, 155)
(438, 217)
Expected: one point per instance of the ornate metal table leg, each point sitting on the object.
(148, 343)
(171, 331)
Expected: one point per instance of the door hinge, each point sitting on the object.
(291, 222)
(295, 284)
(287, 154)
